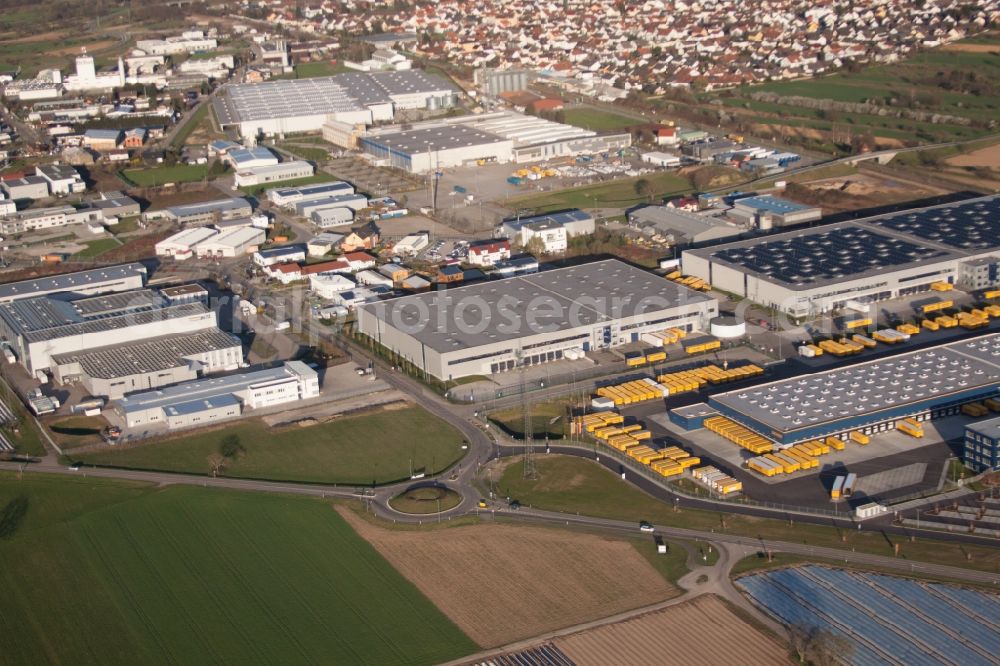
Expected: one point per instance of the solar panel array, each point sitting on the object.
(972, 226)
(886, 619)
(833, 254)
(869, 387)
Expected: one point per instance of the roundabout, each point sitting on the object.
(425, 500)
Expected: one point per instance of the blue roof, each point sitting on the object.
(249, 154)
(772, 204)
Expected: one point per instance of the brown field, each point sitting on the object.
(984, 157)
(857, 191)
(700, 631)
(972, 48)
(501, 583)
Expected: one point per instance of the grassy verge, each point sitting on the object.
(28, 440)
(308, 70)
(97, 247)
(311, 153)
(180, 173)
(426, 500)
(318, 177)
(194, 121)
(183, 574)
(371, 448)
(597, 120)
(576, 485)
(672, 565)
(615, 194)
(547, 418)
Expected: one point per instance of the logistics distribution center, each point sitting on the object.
(868, 397)
(821, 269)
(502, 137)
(305, 105)
(485, 328)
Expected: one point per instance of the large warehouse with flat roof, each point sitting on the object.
(817, 270)
(304, 105)
(81, 283)
(485, 328)
(871, 396)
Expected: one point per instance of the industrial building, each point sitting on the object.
(241, 158)
(870, 397)
(817, 270)
(981, 452)
(198, 403)
(39, 328)
(61, 178)
(679, 227)
(29, 187)
(181, 245)
(261, 175)
(231, 242)
(114, 370)
(324, 218)
(504, 136)
(303, 105)
(289, 196)
(767, 212)
(486, 328)
(33, 219)
(207, 212)
(124, 277)
(554, 229)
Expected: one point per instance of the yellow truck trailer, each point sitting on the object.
(860, 437)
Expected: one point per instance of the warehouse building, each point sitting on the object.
(353, 202)
(679, 227)
(61, 178)
(33, 219)
(767, 212)
(500, 137)
(484, 328)
(124, 277)
(204, 401)
(231, 242)
(29, 187)
(554, 230)
(181, 245)
(304, 105)
(248, 158)
(114, 370)
(208, 212)
(39, 328)
(439, 146)
(870, 397)
(813, 271)
(289, 196)
(261, 175)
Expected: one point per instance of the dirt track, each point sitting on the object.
(701, 631)
(501, 583)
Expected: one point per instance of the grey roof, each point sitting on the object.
(324, 95)
(549, 220)
(27, 180)
(186, 210)
(562, 299)
(681, 223)
(126, 301)
(312, 190)
(70, 281)
(57, 171)
(152, 355)
(989, 428)
(241, 154)
(869, 388)
(114, 322)
(207, 389)
(830, 254)
(201, 405)
(442, 137)
(102, 134)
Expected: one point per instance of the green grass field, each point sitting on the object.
(97, 247)
(597, 120)
(572, 485)
(308, 70)
(614, 194)
(942, 82)
(115, 573)
(354, 450)
(180, 173)
(542, 416)
(311, 153)
(318, 177)
(28, 441)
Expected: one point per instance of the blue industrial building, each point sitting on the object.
(869, 397)
(982, 445)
